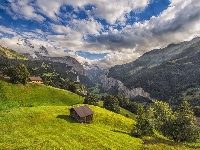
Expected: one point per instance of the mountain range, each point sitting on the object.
(168, 74)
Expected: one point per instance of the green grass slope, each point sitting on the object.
(13, 95)
(37, 117)
(50, 127)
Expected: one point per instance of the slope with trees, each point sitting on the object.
(53, 73)
(179, 125)
(164, 73)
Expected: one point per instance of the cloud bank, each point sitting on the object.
(101, 27)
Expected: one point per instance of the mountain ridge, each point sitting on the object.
(62, 74)
(164, 73)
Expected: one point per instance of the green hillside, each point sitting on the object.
(168, 74)
(37, 117)
(49, 127)
(56, 74)
(13, 95)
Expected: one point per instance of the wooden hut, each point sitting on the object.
(82, 114)
(35, 80)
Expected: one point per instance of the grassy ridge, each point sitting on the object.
(12, 95)
(50, 127)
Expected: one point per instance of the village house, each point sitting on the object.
(82, 114)
(35, 80)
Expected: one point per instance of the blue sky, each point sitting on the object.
(98, 31)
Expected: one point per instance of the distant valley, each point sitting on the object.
(169, 74)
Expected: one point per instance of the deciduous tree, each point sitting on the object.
(161, 113)
(182, 126)
(19, 74)
(143, 126)
(91, 100)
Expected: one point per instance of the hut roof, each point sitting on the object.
(83, 111)
(35, 79)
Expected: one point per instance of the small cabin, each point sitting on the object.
(35, 80)
(82, 114)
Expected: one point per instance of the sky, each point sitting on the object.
(103, 32)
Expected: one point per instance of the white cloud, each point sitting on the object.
(49, 8)
(89, 26)
(7, 30)
(12, 44)
(111, 10)
(179, 22)
(23, 9)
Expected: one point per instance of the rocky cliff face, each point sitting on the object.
(111, 83)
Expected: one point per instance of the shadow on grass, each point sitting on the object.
(66, 118)
(154, 140)
(119, 131)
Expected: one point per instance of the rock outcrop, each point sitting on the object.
(109, 83)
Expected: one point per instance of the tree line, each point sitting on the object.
(179, 126)
(20, 72)
(113, 103)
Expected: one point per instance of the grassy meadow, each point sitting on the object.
(16, 95)
(37, 117)
(50, 127)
